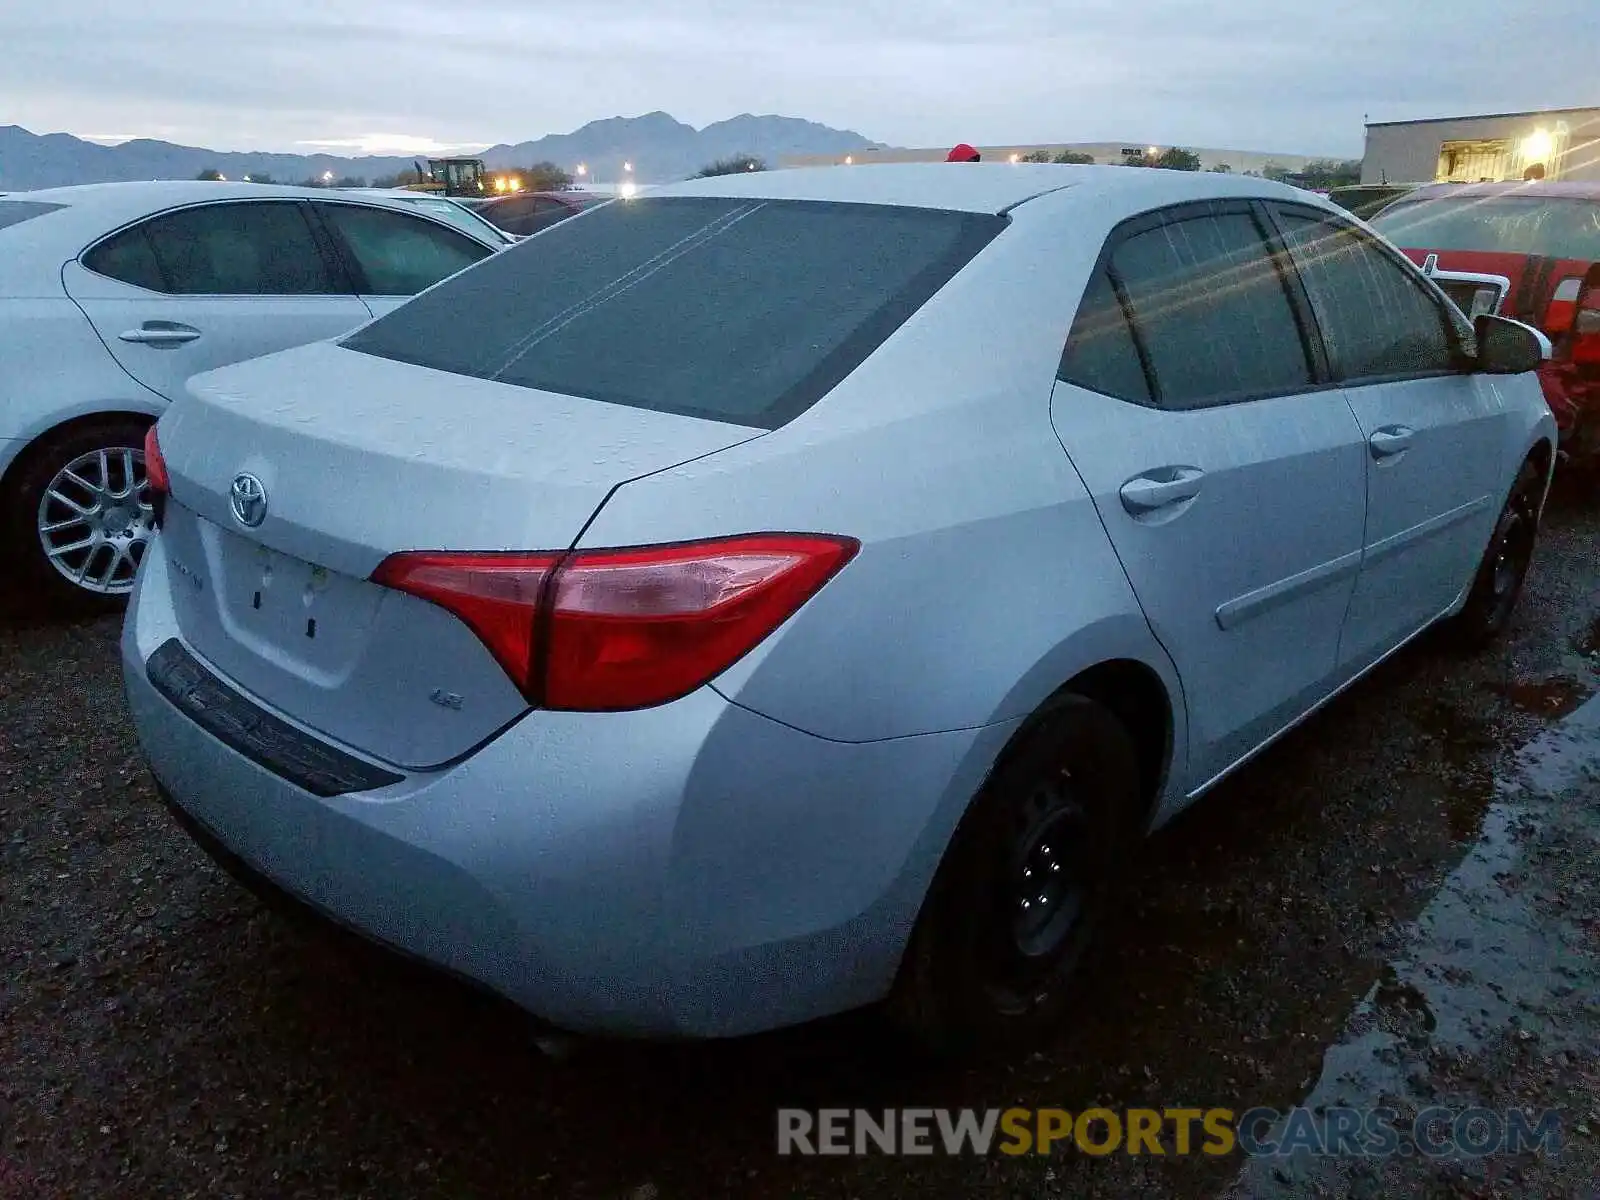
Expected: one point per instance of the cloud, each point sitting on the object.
(1296, 76)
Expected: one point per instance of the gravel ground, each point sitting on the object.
(162, 1034)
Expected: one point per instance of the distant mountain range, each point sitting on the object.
(660, 148)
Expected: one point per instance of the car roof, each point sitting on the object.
(977, 187)
(1566, 188)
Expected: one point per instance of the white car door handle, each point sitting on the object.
(160, 333)
(1158, 489)
(1391, 440)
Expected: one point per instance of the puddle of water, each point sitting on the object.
(1477, 963)
(1556, 697)
(1589, 643)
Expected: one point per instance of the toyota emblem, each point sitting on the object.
(248, 499)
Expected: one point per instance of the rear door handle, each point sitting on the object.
(1160, 488)
(160, 333)
(1391, 440)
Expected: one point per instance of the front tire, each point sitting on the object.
(77, 514)
(1498, 583)
(1025, 882)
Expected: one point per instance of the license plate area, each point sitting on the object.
(286, 608)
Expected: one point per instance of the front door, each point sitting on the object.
(1435, 432)
(1231, 483)
(201, 287)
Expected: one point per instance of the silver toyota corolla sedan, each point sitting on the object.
(793, 591)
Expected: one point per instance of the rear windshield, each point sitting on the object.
(1559, 227)
(14, 212)
(738, 310)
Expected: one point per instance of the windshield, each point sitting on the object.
(738, 310)
(458, 215)
(1559, 227)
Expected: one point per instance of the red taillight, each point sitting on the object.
(1563, 306)
(1586, 321)
(617, 629)
(155, 467)
(497, 595)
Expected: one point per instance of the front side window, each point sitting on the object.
(738, 310)
(249, 249)
(399, 255)
(1212, 311)
(1377, 320)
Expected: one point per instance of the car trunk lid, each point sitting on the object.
(343, 458)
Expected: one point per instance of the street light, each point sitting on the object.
(1016, 158)
(583, 169)
(327, 177)
(627, 166)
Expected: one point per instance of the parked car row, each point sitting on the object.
(786, 592)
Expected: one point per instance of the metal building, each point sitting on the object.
(1556, 143)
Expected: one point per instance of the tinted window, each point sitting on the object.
(14, 212)
(1377, 320)
(1561, 227)
(1212, 311)
(255, 249)
(1101, 354)
(129, 258)
(524, 215)
(399, 255)
(745, 311)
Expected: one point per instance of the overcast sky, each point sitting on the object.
(397, 76)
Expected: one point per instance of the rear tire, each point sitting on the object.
(1498, 583)
(1023, 886)
(76, 516)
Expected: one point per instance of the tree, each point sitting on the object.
(210, 175)
(541, 177)
(1276, 172)
(732, 165)
(1175, 158)
(261, 177)
(1222, 169)
(1070, 157)
(350, 181)
(1039, 156)
(1324, 174)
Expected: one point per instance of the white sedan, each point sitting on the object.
(113, 295)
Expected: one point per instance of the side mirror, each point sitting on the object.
(1507, 347)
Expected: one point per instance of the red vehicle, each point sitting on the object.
(1545, 239)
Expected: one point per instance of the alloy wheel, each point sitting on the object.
(95, 519)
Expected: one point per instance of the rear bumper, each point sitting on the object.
(693, 869)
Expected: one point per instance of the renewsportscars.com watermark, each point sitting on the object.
(1257, 1132)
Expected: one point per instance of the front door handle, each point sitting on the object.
(1160, 488)
(1391, 440)
(160, 333)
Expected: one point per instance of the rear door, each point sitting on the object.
(394, 255)
(1435, 431)
(201, 287)
(1230, 479)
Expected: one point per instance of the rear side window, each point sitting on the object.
(1212, 311)
(1101, 354)
(249, 249)
(1377, 320)
(739, 310)
(14, 212)
(128, 257)
(397, 254)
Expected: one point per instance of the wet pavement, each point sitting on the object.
(1379, 906)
